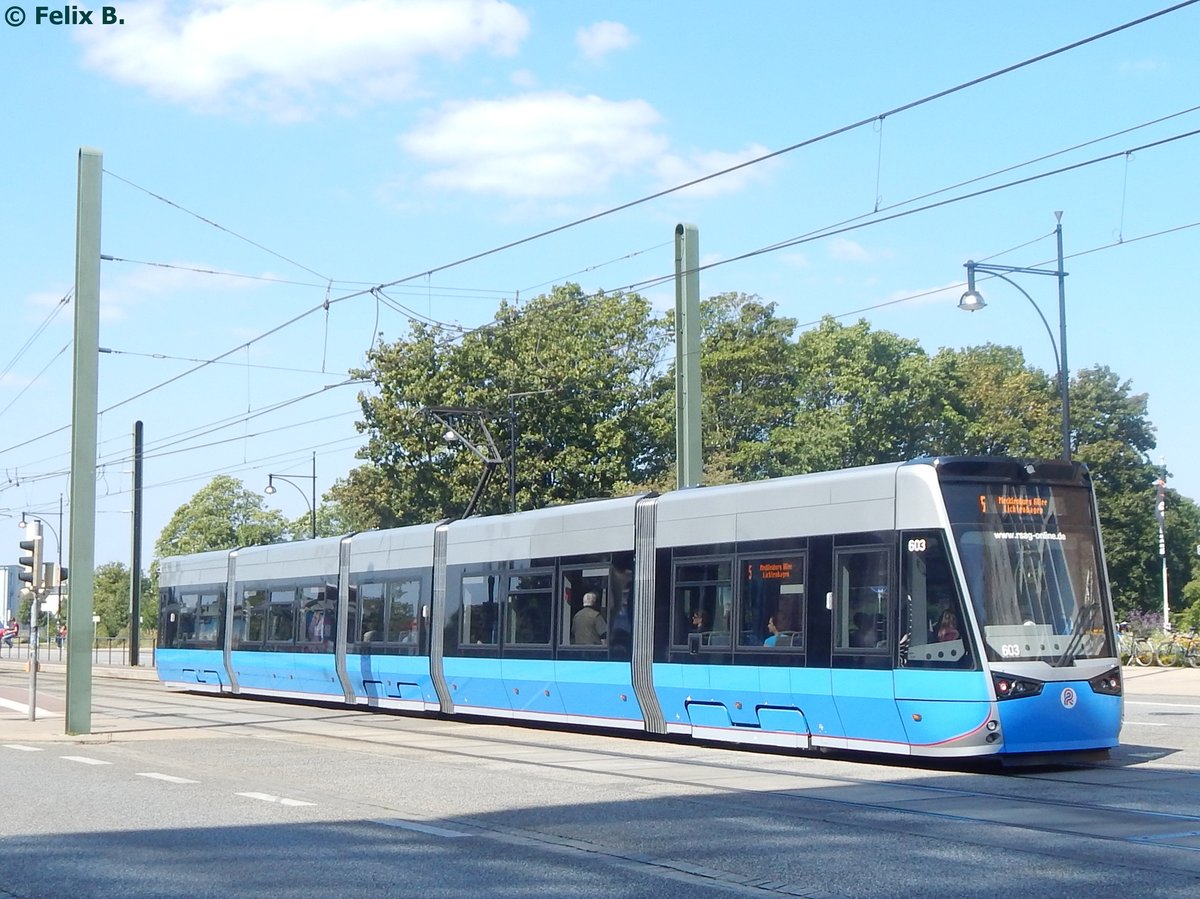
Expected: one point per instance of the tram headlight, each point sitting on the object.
(1108, 683)
(1010, 687)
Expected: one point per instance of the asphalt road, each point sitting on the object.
(190, 795)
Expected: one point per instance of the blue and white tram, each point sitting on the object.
(942, 607)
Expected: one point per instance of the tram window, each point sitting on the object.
(370, 601)
(528, 609)
(576, 584)
(703, 604)
(254, 614)
(479, 624)
(352, 614)
(189, 608)
(772, 602)
(932, 627)
(168, 618)
(318, 610)
(403, 600)
(861, 601)
(281, 617)
(210, 618)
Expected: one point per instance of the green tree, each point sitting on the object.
(575, 371)
(221, 515)
(864, 397)
(110, 598)
(749, 377)
(1113, 436)
(997, 404)
(595, 416)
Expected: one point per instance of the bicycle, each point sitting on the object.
(1134, 650)
(1179, 650)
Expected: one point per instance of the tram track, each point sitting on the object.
(1136, 817)
(1141, 807)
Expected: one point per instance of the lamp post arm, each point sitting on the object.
(1049, 331)
(312, 510)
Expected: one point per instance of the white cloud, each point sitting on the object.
(549, 144)
(279, 55)
(524, 79)
(673, 170)
(601, 38)
(845, 250)
(131, 285)
(1142, 66)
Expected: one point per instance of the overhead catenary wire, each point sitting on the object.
(660, 279)
(217, 225)
(844, 129)
(693, 182)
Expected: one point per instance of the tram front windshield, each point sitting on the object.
(1031, 557)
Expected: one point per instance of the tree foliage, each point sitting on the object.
(584, 388)
(221, 515)
(568, 376)
(110, 599)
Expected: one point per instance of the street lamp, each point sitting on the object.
(972, 301)
(312, 503)
(457, 422)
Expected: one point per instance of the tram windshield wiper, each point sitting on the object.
(1079, 625)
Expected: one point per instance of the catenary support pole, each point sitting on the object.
(688, 447)
(82, 543)
(135, 553)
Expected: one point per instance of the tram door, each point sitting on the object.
(863, 642)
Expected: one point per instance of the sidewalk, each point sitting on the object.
(1150, 681)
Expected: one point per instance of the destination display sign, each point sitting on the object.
(1006, 504)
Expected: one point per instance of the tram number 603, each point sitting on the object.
(917, 545)
(1010, 650)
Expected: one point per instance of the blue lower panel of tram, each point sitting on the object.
(866, 704)
(287, 672)
(940, 709)
(203, 668)
(400, 681)
(1064, 716)
(597, 693)
(750, 704)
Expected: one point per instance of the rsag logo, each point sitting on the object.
(66, 15)
(1068, 698)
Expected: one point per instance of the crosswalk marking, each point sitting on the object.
(20, 748)
(84, 760)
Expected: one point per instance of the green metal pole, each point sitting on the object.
(135, 552)
(1064, 374)
(83, 443)
(688, 448)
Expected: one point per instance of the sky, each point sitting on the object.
(268, 162)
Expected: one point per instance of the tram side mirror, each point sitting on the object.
(693, 643)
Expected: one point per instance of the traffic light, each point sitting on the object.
(31, 565)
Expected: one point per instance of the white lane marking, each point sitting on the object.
(23, 708)
(267, 797)
(20, 748)
(169, 778)
(421, 828)
(1190, 706)
(84, 760)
